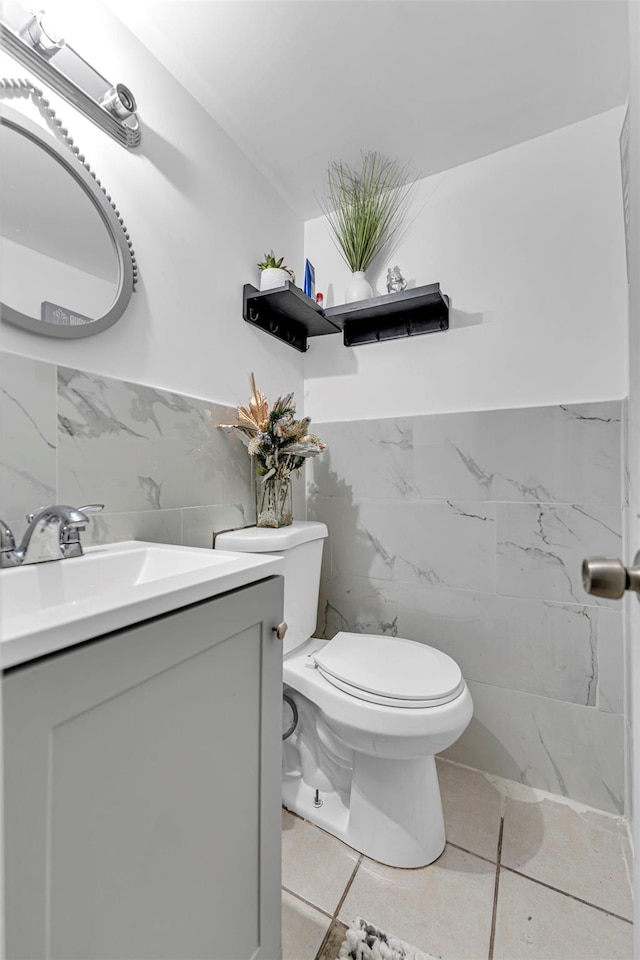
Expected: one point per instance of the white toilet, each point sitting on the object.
(364, 716)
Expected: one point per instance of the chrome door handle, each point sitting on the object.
(609, 578)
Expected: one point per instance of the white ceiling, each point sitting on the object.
(434, 82)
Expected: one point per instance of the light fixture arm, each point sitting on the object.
(27, 38)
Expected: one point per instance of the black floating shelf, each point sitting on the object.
(286, 313)
(407, 314)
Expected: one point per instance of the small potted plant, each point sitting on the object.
(273, 273)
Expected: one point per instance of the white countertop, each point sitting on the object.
(46, 607)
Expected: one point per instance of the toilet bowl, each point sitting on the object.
(394, 807)
(393, 728)
(372, 712)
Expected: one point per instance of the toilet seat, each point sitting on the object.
(390, 671)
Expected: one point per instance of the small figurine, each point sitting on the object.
(396, 283)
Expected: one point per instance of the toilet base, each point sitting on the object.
(394, 813)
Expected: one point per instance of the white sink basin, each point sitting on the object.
(47, 606)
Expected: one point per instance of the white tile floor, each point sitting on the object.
(523, 877)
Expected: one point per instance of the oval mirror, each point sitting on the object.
(67, 268)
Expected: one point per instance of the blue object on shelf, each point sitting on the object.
(309, 279)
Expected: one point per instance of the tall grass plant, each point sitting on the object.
(365, 206)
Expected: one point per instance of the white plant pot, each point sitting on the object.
(358, 288)
(273, 277)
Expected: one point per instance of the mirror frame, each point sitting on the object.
(62, 154)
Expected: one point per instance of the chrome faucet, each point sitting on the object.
(53, 533)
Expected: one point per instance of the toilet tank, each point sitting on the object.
(300, 546)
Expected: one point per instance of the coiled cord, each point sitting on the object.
(294, 711)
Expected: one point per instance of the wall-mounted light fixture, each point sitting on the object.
(119, 101)
(38, 34)
(30, 39)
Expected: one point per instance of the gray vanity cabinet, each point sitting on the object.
(142, 789)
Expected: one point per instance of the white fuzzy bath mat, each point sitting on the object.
(364, 941)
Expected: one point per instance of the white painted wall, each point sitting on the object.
(200, 216)
(529, 245)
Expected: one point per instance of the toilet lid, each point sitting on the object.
(390, 670)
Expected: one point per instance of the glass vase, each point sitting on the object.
(274, 505)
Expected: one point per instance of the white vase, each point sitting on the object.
(358, 288)
(273, 277)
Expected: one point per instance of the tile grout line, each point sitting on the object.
(472, 853)
(325, 941)
(334, 918)
(564, 893)
(347, 888)
(309, 903)
(494, 913)
(526, 876)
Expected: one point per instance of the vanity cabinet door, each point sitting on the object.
(142, 790)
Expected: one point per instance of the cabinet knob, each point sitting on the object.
(280, 630)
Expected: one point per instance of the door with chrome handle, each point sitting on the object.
(609, 578)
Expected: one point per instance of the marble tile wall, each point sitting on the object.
(155, 459)
(467, 531)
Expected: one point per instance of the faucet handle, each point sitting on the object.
(7, 539)
(92, 508)
(69, 514)
(7, 547)
(70, 535)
